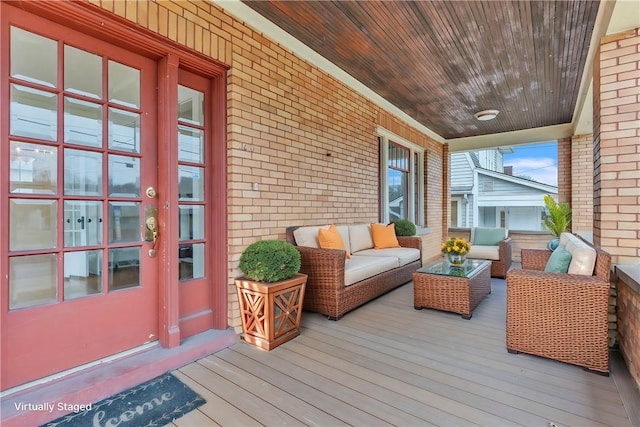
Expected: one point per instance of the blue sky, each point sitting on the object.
(536, 161)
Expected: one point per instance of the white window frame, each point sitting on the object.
(386, 137)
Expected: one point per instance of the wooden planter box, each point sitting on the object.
(271, 312)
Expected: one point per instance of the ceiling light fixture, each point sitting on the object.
(485, 115)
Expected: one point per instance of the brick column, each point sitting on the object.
(582, 184)
(564, 171)
(616, 179)
(616, 142)
(446, 190)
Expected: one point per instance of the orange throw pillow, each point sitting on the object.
(331, 239)
(384, 236)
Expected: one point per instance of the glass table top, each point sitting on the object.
(444, 268)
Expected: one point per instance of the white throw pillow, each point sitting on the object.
(583, 256)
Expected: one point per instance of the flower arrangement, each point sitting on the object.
(455, 246)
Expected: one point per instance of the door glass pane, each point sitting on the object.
(124, 176)
(124, 222)
(124, 130)
(82, 274)
(34, 168)
(33, 280)
(82, 173)
(191, 183)
(191, 222)
(190, 105)
(33, 224)
(33, 58)
(33, 113)
(82, 72)
(82, 223)
(190, 145)
(124, 84)
(124, 268)
(191, 262)
(82, 122)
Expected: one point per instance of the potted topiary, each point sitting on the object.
(404, 227)
(271, 293)
(557, 220)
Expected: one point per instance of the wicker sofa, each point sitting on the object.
(336, 284)
(561, 316)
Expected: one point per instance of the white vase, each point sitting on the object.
(456, 259)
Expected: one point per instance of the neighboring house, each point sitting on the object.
(484, 193)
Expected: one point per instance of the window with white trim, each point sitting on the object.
(401, 179)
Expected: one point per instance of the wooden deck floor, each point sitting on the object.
(388, 364)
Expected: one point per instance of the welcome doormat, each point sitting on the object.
(154, 403)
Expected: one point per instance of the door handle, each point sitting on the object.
(152, 230)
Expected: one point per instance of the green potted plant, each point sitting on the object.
(270, 293)
(557, 220)
(404, 227)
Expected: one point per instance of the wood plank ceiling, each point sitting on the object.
(442, 61)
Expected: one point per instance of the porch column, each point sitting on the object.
(446, 191)
(564, 171)
(582, 185)
(616, 139)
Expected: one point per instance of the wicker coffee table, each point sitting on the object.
(457, 289)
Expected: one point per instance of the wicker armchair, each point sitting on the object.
(500, 266)
(558, 315)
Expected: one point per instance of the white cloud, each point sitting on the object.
(540, 169)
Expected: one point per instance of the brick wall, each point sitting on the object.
(582, 184)
(524, 240)
(628, 301)
(302, 147)
(617, 146)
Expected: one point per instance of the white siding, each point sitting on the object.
(505, 193)
(491, 160)
(461, 173)
(525, 218)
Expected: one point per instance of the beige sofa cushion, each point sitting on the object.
(484, 252)
(404, 255)
(360, 237)
(583, 256)
(361, 267)
(308, 236)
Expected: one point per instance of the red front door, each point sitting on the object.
(78, 141)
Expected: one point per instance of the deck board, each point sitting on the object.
(389, 364)
(217, 409)
(277, 388)
(352, 406)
